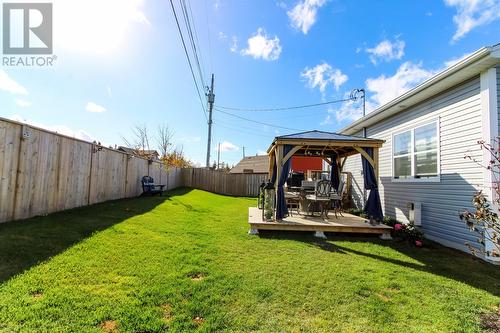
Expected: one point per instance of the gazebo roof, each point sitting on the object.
(320, 143)
(322, 135)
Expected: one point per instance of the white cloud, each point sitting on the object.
(473, 13)
(327, 121)
(96, 108)
(10, 85)
(322, 75)
(190, 139)
(233, 41)
(350, 110)
(262, 46)
(386, 51)
(61, 129)
(234, 44)
(222, 35)
(227, 146)
(453, 61)
(109, 92)
(22, 103)
(384, 89)
(407, 76)
(281, 4)
(303, 15)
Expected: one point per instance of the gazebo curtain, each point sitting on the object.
(373, 207)
(281, 208)
(334, 172)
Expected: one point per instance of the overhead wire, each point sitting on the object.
(209, 37)
(243, 131)
(192, 35)
(237, 126)
(189, 60)
(255, 121)
(288, 107)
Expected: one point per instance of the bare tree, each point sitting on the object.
(164, 139)
(139, 139)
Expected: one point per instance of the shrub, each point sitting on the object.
(409, 233)
(483, 220)
(356, 211)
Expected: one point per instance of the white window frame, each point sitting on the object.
(412, 178)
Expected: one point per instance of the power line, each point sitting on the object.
(193, 38)
(255, 121)
(189, 60)
(249, 132)
(209, 34)
(289, 107)
(237, 126)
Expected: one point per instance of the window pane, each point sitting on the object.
(426, 137)
(402, 143)
(426, 164)
(402, 167)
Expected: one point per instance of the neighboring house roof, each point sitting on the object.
(127, 150)
(467, 68)
(143, 153)
(149, 152)
(252, 164)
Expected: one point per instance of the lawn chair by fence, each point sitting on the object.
(149, 186)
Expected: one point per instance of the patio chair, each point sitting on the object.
(321, 196)
(293, 201)
(337, 197)
(149, 186)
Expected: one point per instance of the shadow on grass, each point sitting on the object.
(433, 258)
(26, 243)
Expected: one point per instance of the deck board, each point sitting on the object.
(348, 223)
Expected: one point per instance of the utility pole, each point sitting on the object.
(364, 110)
(243, 152)
(354, 96)
(218, 157)
(211, 99)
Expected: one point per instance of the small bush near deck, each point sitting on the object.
(185, 263)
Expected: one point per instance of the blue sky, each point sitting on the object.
(121, 63)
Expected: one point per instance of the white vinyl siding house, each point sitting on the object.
(423, 158)
(498, 95)
(457, 116)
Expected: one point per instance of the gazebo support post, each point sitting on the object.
(279, 167)
(386, 236)
(253, 231)
(341, 166)
(320, 234)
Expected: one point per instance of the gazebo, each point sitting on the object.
(333, 148)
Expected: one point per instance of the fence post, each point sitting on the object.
(18, 171)
(90, 171)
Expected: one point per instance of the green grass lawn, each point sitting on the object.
(185, 262)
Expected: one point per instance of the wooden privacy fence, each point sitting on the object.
(228, 184)
(43, 172)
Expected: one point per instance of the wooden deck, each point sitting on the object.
(348, 223)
